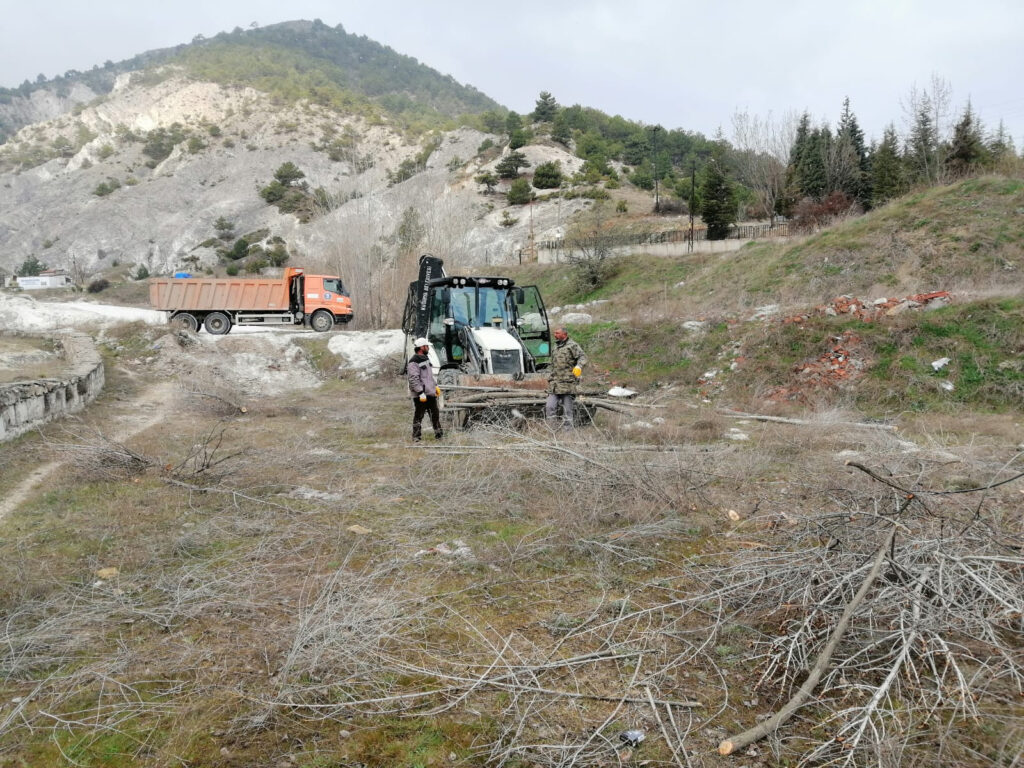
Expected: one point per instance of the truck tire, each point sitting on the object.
(217, 323)
(321, 321)
(186, 321)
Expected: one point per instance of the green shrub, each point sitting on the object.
(520, 193)
(104, 188)
(548, 175)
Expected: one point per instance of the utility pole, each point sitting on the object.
(654, 149)
(531, 249)
(693, 187)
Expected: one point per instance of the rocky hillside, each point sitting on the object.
(141, 174)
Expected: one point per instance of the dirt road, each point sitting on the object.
(149, 408)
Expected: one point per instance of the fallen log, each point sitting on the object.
(803, 422)
(761, 730)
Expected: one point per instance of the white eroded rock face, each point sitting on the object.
(365, 352)
(162, 214)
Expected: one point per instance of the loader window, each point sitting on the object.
(479, 307)
(436, 330)
(463, 303)
(492, 308)
(534, 330)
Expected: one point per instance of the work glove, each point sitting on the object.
(577, 371)
(423, 397)
(437, 391)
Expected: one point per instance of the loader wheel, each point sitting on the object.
(321, 321)
(217, 323)
(185, 321)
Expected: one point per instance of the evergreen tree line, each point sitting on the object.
(826, 171)
(826, 164)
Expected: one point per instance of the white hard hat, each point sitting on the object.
(420, 342)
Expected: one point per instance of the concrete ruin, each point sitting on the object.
(25, 405)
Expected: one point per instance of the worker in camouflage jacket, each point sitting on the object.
(567, 361)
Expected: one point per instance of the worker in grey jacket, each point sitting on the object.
(424, 390)
(567, 361)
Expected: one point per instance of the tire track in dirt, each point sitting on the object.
(149, 408)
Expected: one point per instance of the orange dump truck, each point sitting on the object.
(218, 303)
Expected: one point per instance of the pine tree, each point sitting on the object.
(793, 186)
(1000, 145)
(30, 267)
(518, 138)
(519, 193)
(967, 149)
(513, 122)
(488, 180)
(548, 175)
(561, 131)
(923, 145)
(811, 170)
(852, 158)
(508, 167)
(718, 205)
(546, 108)
(888, 179)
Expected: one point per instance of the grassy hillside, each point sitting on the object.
(966, 238)
(963, 237)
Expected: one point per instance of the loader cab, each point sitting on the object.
(481, 324)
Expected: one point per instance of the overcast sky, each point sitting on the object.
(677, 63)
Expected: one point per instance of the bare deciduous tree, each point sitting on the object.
(762, 154)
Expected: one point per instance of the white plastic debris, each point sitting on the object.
(947, 385)
(938, 365)
(620, 392)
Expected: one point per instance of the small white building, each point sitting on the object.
(50, 278)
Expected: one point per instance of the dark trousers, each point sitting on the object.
(430, 406)
(567, 403)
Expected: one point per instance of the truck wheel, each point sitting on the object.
(185, 321)
(217, 323)
(322, 321)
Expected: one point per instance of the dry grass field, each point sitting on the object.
(211, 575)
(300, 585)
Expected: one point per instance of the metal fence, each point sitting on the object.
(744, 232)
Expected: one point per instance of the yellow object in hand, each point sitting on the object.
(577, 371)
(437, 391)
(423, 397)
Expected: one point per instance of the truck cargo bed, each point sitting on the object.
(218, 294)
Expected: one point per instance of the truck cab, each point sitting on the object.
(324, 301)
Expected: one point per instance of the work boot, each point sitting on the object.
(439, 434)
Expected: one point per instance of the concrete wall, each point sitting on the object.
(560, 256)
(29, 404)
